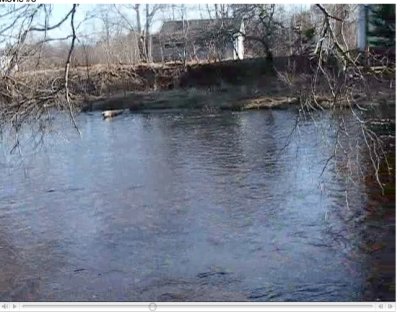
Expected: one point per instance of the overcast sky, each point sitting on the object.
(94, 25)
(88, 17)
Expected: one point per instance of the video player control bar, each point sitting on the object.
(170, 307)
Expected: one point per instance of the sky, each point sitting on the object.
(93, 26)
(91, 29)
(89, 9)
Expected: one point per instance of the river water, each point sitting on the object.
(188, 207)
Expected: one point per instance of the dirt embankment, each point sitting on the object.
(234, 85)
(228, 85)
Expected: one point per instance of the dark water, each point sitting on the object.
(186, 207)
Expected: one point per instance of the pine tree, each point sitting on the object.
(382, 27)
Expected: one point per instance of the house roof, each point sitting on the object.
(200, 26)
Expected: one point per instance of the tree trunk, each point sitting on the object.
(147, 40)
(216, 11)
(139, 30)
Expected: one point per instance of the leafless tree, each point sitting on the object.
(20, 101)
(140, 26)
(341, 80)
(261, 24)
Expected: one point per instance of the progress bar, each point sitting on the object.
(179, 307)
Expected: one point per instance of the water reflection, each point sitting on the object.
(189, 206)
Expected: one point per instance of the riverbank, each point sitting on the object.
(230, 85)
(230, 99)
(242, 98)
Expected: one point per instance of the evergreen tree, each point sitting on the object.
(382, 28)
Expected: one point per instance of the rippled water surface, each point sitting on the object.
(183, 207)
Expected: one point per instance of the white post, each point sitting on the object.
(240, 47)
(238, 52)
(235, 48)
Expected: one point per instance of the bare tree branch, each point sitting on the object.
(67, 65)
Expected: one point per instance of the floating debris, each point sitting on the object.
(111, 113)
